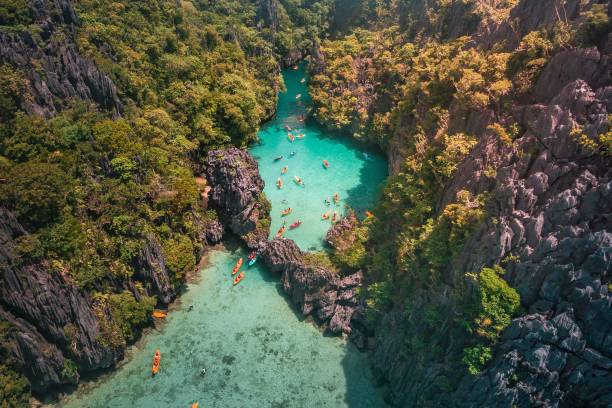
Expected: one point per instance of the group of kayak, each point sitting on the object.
(252, 259)
(282, 229)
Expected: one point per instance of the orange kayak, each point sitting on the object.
(159, 314)
(238, 278)
(280, 232)
(326, 164)
(195, 405)
(156, 361)
(369, 214)
(237, 266)
(325, 216)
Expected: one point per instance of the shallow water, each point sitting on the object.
(257, 353)
(355, 178)
(255, 348)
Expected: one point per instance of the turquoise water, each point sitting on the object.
(257, 351)
(355, 178)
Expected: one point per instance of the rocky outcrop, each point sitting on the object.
(54, 69)
(549, 223)
(314, 290)
(151, 270)
(340, 235)
(237, 194)
(49, 314)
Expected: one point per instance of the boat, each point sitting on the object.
(298, 96)
(295, 224)
(292, 154)
(156, 362)
(291, 137)
(369, 214)
(297, 180)
(335, 217)
(325, 216)
(278, 158)
(284, 169)
(279, 183)
(287, 128)
(159, 314)
(195, 405)
(367, 156)
(286, 211)
(239, 278)
(326, 164)
(300, 136)
(252, 261)
(303, 80)
(237, 266)
(252, 255)
(336, 198)
(295, 67)
(280, 232)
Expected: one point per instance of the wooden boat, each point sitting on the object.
(159, 314)
(326, 164)
(238, 278)
(325, 216)
(279, 183)
(284, 169)
(237, 266)
(280, 232)
(156, 362)
(295, 224)
(286, 211)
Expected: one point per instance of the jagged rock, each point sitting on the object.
(314, 290)
(340, 236)
(45, 299)
(237, 193)
(150, 267)
(61, 73)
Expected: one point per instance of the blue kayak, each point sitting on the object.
(252, 261)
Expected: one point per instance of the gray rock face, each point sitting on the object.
(314, 290)
(44, 305)
(150, 266)
(339, 236)
(551, 208)
(63, 73)
(237, 193)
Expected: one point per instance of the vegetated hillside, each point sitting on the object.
(487, 260)
(107, 111)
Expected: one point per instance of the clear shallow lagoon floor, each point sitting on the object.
(356, 179)
(255, 348)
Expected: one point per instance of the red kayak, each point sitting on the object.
(295, 224)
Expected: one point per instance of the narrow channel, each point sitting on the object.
(256, 350)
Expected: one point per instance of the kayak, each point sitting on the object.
(252, 261)
(291, 137)
(325, 216)
(252, 255)
(279, 183)
(326, 164)
(334, 217)
(238, 278)
(159, 314)
(298, 96)
(295, 224)
(297, 180)
(287, 127)
(156, 361)
(280, 232)
(286, 211)
(237, 266)
(336, 198)
(301, 136)
(284, 169)
(195, 405)
(369, 214)
(278, 158)
(303, 80)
